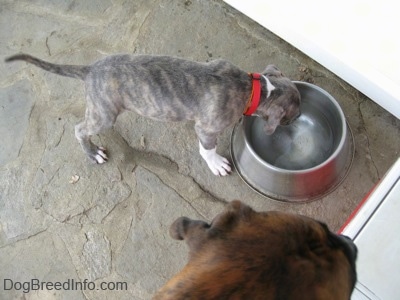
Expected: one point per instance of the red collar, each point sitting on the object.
(255, 96)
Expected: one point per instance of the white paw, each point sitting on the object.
(219, 165)
(101, 156)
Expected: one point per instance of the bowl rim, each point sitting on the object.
(339, 147)
(297, 199)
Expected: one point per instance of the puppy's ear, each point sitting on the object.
(272, 70)
(275, 115)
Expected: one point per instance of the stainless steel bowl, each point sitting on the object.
(300, 162)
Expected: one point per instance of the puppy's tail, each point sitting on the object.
(73, 71)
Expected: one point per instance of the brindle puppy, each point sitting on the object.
(213, 95)
(245, 254)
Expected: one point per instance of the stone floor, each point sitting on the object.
(65, 220)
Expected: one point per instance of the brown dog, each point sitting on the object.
(244, 254)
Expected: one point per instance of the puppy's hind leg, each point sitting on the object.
(94, 123)
(218, 164)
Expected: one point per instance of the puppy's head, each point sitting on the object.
(244, 254)
(281, 103)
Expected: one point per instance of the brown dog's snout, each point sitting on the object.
(350, 249)
(346, 243)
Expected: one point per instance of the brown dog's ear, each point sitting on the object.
(234, 212)
(194, 232)
(275, 115)
(178, 229)
(183, 227)
(240, 208)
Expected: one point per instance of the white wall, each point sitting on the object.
(358, 40)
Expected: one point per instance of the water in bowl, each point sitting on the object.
(304, 144)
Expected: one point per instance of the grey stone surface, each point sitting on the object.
(15, 110)
(62, 218)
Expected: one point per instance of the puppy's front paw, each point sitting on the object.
(219, 165)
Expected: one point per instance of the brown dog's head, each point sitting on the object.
(282, 103)
(244, 254)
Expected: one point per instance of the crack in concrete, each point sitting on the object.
(69, 253)
(29, 121)
(147, 159)
(50, 11)
(127, 236)
(139, 30)
(23, 239)
(210, 195)
(368, 146)
(61, 136)
(51, 216)
(180, 195)
(80, 215)
(47, 46)
(205, 193)
(115, 206)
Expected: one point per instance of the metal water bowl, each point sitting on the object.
(300, 162)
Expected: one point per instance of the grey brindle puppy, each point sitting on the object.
(213, 95)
